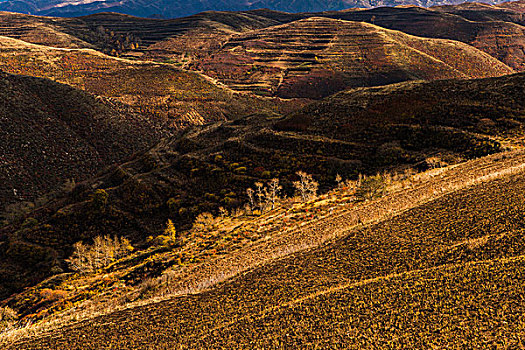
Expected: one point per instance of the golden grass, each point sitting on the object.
(336, 220)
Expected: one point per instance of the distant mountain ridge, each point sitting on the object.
(172, 9)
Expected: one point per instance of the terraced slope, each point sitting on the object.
(188, 36)
(114, 33)
(518, 6)
(317, 57)
(494, 30)
(480, 12)
(163, 93)
(503, 40)
(37, 30)
(439, 273)
(206, 167)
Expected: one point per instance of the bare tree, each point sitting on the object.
(8, 317)
(306, 187)
(259, 193)
(102, 252)
(251, 199)
(339, 181)
(272, 192)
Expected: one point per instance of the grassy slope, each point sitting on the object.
(111, 31)
(494, 30)
(439, 273)
(502, 39)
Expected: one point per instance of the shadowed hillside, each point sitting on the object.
(317, 57)
(51, 133)
(207, 167)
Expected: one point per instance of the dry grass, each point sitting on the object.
(335, 220)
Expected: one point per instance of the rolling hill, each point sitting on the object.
(411, 121)
(480, 12)
(114, 33)
(494, 30)
(495, 36)
(518, 6)
(365, 130)
(316, 57)
(170, 96)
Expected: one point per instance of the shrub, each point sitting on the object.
(8, 317)
(390, 153)
(370, 187)
(173, 205)
(30, 223)
(169, 237)
(30, 254)
(50, 295)
(99, 200)
(240, 170)
(204, 222)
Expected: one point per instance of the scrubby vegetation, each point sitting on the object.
(318, 58)
(8, 318)
(205, 168)
(363, 260)
(103, 251)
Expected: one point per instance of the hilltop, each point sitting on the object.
(117, 33)
(417, 124)
(316, 57)
(500, 35)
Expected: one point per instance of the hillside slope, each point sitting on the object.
(51, 133)
(316, 57)
(170, 96)
(436, 273)
(115, 33)
(494, 30)
(206, 167)
(501, 39)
